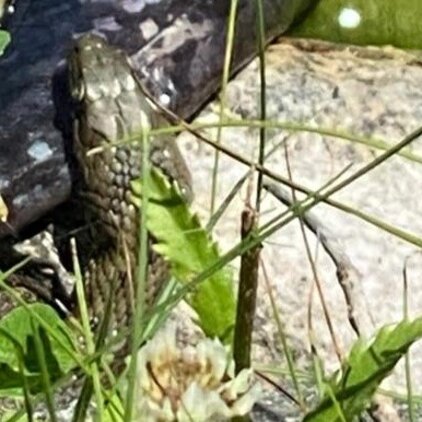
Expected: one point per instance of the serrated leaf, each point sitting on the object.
(17, 343)
(368, 364)
(190, 250)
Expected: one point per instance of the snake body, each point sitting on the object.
(110, 107)
(176, 49)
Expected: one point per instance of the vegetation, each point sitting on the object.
(40, 353)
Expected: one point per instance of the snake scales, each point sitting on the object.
(110, 107)
(181, 60)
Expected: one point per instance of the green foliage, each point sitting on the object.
(381, 22)
(190, 250)
(368, 364)
(4, 41)
(114, 410)
(17, 348)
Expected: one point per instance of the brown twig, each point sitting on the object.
(248, 283)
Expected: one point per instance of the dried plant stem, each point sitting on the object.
(347, 273)
(246, 303)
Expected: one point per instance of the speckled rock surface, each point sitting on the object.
(371, 92)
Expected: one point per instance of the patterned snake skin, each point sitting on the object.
(111, 107)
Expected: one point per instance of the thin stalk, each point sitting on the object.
(26, 392)
(141, 280)
(316, 361)
(336, 403)
(300, 207)
(39, 350)
(21, 366)
(395, 149)
(260, 31)
(231, 25)
(278, 387)
(227, 201)
(408, 371)
(374, 143)
(90, 345)
(283, 340)
(87, 388)
(400, 397)
(313, 266)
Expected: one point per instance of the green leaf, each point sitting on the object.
(12, 414)
(189, 249)
(4, 41)
(368, 364)
(114, 410)
(17, 347)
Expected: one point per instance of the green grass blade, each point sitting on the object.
(88, 335)
(263, 91)
(39, 350)
(231, 25)
(140, 281)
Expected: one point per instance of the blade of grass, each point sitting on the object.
(408, 371)
(400, 397)
(316, 360)
(260, 31)
(311, 261)
(283, 340)
(319, 197)
(337, 406)
(26, 392)
(236, 188)
(395, 149)
(180, 125)
(89, 341)
(373, 143)
(226, 202)
(313, 199)
(231, 25)
(88, 386)
(25, 386)
(141, 280)
(157, 319)
(49, 399)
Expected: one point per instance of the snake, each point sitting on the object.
(177, 48)
(110, 107)
(57, 107)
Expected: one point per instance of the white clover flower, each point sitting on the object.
(190, 384)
